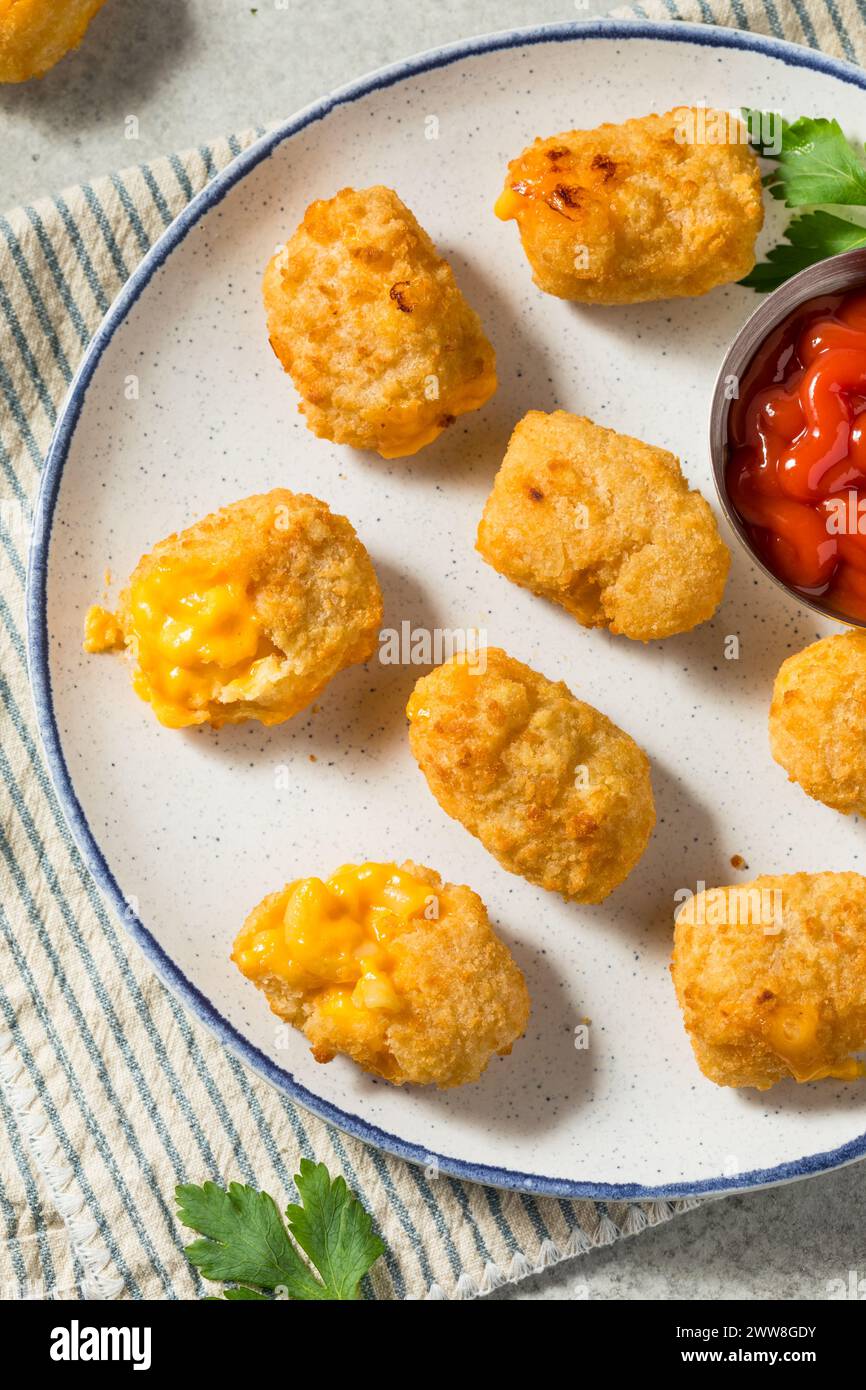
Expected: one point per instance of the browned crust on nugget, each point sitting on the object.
(369, 322)
(466, 998)
(36, 34)
(818, 721)
(604, 525)
(550, 786)
(312, 584)
(789, 942)
(632, 212)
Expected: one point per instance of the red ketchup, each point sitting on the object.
(796, 469)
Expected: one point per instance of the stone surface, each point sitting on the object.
(192, 69)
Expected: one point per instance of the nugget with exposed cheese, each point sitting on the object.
(771, 978)
(551, 787)
(247, 614)
(35, 34)
(604, 525)
(391, 967)
(368, 320)
(656, 208)
(818, 720)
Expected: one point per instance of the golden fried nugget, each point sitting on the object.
(391, 967)
(247, 614)
(551, 787)
(35, 34)
(604, 525)
(818, 720)
(654, 208)
(771, 978)
(368, 321)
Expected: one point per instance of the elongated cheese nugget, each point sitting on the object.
(246, 615)
(35, 34)
(367, 319)
(656, 208)
(551, 787)
(604, 525)
(818, 719)
(771, 978)
(391, 967)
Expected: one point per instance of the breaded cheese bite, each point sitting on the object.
(604, 525)
(391, 967)
(368, 320)
(818, 720)
(247, 614)
(551, 787)
(651, 209)
(771, 978)
(36, 34)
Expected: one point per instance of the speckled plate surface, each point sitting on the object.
(186, 831)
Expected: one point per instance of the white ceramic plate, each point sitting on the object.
(193, 828)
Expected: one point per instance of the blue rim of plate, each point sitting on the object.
(37, 627)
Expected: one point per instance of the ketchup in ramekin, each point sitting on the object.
(796, 461)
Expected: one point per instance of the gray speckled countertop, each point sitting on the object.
(192, 69)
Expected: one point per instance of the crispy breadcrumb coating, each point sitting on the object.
(247, 614)
(604, 525)
(460, 997)
(551, 787)
(771, 978)
(818, 720)
(650, 209)
(368, 320)
(36, 34)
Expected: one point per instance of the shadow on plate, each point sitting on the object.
(674, 330)
(682, 849)
(809, 1098)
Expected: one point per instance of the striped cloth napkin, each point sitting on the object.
(109, 1093)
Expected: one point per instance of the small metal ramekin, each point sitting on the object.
(834, 276)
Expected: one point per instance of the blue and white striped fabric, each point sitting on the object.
(109, 1093)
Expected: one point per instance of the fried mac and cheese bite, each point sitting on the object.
(818, 720)
(551, 787)
(604, 525)
(650, 209)
(368, 320)
(771, 978)
(247, 614)
(36, 34)
(391, 967)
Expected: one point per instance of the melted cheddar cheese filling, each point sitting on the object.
(102, 631)
(792, 1033)
(333, 937)
(196, 639)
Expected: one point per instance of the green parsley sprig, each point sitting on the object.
(815, 167)
(245, 1241)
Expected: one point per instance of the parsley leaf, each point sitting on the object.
(245, 1240)
(815, 165)
(333, 1229)
(808, 239)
